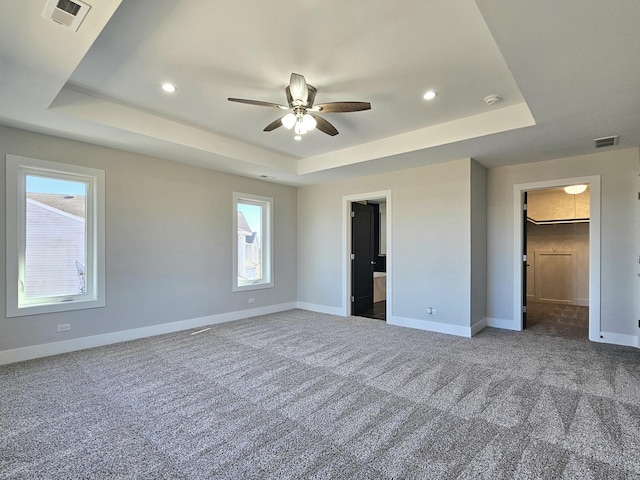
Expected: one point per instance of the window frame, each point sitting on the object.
(17, 169)
(266, 241)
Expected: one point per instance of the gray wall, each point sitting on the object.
(168, 242)
(431, 249)
(620, 236)
(478, 242)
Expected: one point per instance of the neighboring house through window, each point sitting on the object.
(252, 245)
(55, 237)
(55, 246)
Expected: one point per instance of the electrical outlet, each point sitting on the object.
(63, 327)
(431, 311)
(252, 300)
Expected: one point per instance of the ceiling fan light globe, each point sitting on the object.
(309, 122)
(289, 120)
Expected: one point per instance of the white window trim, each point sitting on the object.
(266, 241)
(16, 170)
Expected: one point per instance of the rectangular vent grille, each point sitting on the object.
(68, 13)
(69, 7)
(605, 141)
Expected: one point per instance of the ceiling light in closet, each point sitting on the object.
(575, 189)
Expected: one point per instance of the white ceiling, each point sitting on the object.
(568, 73)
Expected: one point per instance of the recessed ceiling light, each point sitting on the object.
(169, 87)
(297, 138)
(430, 95)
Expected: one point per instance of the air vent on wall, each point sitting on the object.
(68, 13)
(605, 141)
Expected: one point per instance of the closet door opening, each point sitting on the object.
(556, 270)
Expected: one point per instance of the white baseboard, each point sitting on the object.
(72, 345)
(431, 326)
(312, 307)
(503, 323)
(618, 339)
(478, 327)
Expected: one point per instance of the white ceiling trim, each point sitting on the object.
(104, 112)
(496, 121)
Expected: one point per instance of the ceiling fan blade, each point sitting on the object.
(311, 97)
(289, 97)
(339, 107)
(273, 125)
(324, 126)
(298, 88)
(258, 103)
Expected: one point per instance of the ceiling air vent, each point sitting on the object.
(68, 13)
(605, 141)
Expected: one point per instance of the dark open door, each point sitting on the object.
(362, 261)
(525, 263)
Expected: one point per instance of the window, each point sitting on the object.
(252, 246)
(55, 237)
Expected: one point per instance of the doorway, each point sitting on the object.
(558, 264)
(367, 240)
(556, 267)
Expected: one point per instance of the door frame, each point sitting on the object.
(347, 200)
(594, 246)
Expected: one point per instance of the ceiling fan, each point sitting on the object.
(303, 114)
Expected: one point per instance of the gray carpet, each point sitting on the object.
(303, 395)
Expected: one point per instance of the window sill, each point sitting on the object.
(252, 286)
(54, 307)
